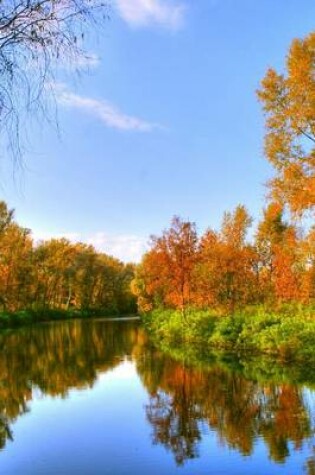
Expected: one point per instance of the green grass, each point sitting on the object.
(287, 333)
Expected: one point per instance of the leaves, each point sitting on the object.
(289, 104)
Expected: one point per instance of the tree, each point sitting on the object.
(236, 259)
(289, 104)
(34, 36)
(165, 275)
(235, 226)
(6, 216)
(278, 250)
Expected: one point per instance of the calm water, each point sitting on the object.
(97, 398)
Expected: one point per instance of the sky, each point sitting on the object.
(162, 120)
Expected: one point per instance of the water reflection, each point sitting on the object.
(242, 402)
(238, 409)
(55, 358)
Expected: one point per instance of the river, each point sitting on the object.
(96, 397)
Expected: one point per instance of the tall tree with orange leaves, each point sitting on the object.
(277, 245)
(289, 104)
(225, 273)
(165, 276)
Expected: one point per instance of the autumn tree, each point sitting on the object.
(206, 272)
(167, 268)
(288, 101)
(6, 216)
(15, 261)
(236, 263)
(277, 245)
(308, 262)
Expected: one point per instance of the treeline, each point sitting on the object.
(223, 269)
(59, 275)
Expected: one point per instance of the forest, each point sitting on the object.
(57, 279)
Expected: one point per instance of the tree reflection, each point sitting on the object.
(240, 410)
(175, 419)
(241, 403)
(310, 463)
(56, 358)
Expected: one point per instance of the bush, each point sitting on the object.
(288, 334)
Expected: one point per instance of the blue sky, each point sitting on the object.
(165, 121)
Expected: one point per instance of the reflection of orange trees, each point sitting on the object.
(240, 410)
(5, 432)
(56, 358)
(310, 464)
(178, 430)
(174, 414)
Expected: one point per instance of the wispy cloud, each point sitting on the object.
(103, 110)
(81, 61)
(128, 248)
(125, 247)
(143, 13)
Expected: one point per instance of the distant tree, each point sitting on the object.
(165, 275)
(235, 226)
(236, 263)
(278, 248)
(35, 35)
(289, 103)
(6, 216)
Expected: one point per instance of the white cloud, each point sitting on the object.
(125, 247)
(141, 13)
(128, 248)
(109, 114)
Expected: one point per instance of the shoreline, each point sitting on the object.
(24, 318)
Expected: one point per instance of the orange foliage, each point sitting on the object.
(223, 270)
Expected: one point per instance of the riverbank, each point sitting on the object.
(287, 334)
(29, 317)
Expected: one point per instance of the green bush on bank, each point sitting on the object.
(288, 334)
(171, 325)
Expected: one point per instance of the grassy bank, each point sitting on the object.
(288, 333)
(30, 316)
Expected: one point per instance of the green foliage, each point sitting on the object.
(288, 334)
(227, 331)
(173, 327)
